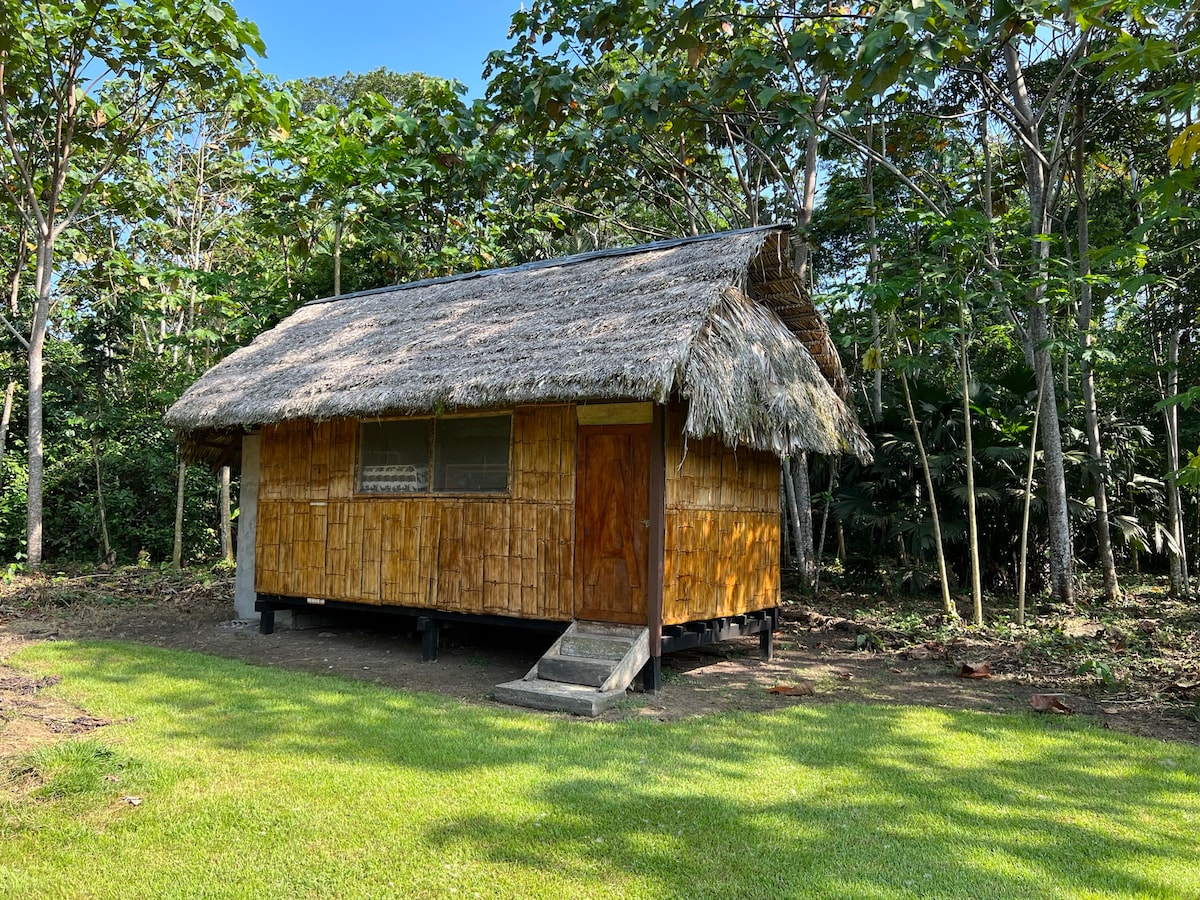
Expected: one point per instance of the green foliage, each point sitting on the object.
(139, 500)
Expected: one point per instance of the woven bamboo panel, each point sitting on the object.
(513, 556)
(722, 528)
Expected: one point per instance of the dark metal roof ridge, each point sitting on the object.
(558, 261)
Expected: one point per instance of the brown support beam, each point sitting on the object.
(658, 529)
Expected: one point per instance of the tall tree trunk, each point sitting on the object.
(812, 152)
(1059, 526)
(873, 280)
(797, 476)
(805, 538)
(226, 515)
(1061, 563)
(947, 603)
(1091, 418)
(35, 448)
(796, 513)
(180, 488)
(969, 447)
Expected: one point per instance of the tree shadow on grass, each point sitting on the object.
(810, 801)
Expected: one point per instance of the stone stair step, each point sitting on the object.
(592, 646)
(576, 669)
(538, 693)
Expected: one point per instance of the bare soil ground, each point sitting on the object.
(1135, 669)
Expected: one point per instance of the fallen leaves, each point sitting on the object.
(20, 684)
(1049, 703)
(975, 670)
(1183, 686)
(803, 688)
(925, 650)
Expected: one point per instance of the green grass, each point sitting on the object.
(263, 783)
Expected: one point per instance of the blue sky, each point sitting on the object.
(448, 38)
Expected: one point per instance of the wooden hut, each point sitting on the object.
(590, 441)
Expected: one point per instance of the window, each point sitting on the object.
(465, 454)
(471, 454)
(395, 457)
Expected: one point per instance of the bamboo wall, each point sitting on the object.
(722, 528)
(508, 556)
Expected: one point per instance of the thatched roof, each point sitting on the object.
(720, 320)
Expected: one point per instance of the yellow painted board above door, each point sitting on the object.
(615, 413)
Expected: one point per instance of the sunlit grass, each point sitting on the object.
(263, 783)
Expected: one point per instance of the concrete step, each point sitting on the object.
(585, 671)
(539, 693)
(594, 646)
(576, 669)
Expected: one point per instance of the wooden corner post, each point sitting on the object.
(658, 535)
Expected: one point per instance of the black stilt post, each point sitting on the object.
(429, 638)
(652, 675)
(766, 637)
(266, 619)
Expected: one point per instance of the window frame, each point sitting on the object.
(432, 423)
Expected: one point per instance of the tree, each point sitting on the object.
(81, 84)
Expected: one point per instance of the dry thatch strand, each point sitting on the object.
(695, 317)
(752, 383)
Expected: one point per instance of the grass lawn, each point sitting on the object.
(264, 783)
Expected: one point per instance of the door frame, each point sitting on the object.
(656, 513)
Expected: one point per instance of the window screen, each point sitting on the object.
(394, 457)
(471, 454)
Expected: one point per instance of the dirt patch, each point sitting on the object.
(30, 717)
(846, 655)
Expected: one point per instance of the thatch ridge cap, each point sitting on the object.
(556, 262)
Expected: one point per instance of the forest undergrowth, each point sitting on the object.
(1143, 649)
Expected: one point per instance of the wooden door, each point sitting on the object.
(612, 523)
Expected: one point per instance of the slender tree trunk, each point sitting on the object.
(1022, 565)
(805, 538)
(969, 447)
(35, 448)
(1061, 562)
(9, 394)
(873, 280)
(337, 258)
(180, 488)
(796, 515)
(812, 151)
(105, 543)
(1180, 587)
(947, 603)
(226, 515)
(824, 525)
(1091, 427)
(785, 530)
